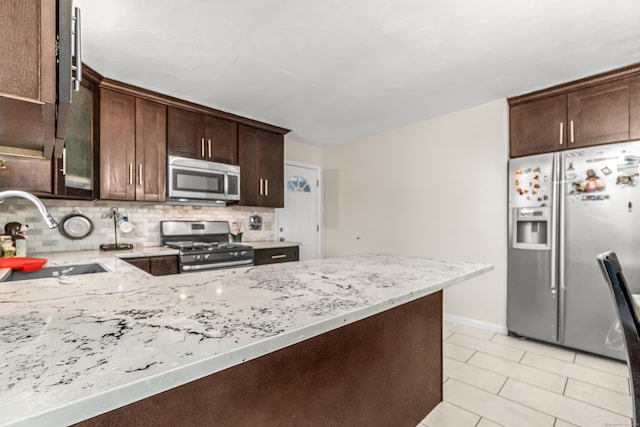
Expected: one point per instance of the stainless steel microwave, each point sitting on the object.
(201, 181)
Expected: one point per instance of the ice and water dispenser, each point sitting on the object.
(532, 228)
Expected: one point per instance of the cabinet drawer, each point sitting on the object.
(275, 255)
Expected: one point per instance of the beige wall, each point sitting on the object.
(298, 152)
(435, 188)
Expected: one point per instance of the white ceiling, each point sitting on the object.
(338, 70)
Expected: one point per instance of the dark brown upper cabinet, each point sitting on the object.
(634, 107)
(597, 110)
(132, 148)
(599, 114)
(36, 72)
(27, 77)
(72, 174)
(261, 158)
(202, 136)
(74, 169)
(32, 175)
(538, 126)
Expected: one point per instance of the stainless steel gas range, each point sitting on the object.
(204, 245)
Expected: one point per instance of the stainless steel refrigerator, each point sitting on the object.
(564, 209)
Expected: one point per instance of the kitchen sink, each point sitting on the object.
(56, 271)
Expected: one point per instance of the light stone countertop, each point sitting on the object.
(271, 244)
(74, 347)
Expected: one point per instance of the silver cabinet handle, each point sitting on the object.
(266, 187)
(278, 256)
(77, 48)
(209, 148)
(261, 186)
(64, 161)
(561, 132)
(571, 132)
(202, 147)
(130, 173)
(139, 174)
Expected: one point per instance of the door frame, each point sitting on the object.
(319, 187)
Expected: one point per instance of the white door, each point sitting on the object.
(299, 220)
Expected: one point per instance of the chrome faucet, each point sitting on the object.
(48, 219)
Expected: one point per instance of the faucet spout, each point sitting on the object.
(48, 219)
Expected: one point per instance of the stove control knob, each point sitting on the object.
(207, 256)
(197, 257)
(243, 253)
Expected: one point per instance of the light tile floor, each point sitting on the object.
(496, 380)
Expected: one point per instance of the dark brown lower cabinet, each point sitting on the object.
(156, 265)
(276, 255)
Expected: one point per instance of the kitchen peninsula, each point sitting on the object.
(355, 340)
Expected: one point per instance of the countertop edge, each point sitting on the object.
(90, 406)
(130, 393)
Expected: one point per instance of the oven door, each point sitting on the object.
(216, 260)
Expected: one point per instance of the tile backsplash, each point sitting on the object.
(145, 219)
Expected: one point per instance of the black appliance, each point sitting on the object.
(204, 245)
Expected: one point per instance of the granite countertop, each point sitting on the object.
(271, 244)
(74, 347)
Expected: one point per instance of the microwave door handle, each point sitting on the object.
(226, 185)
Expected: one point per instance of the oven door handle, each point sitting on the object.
(200, 267)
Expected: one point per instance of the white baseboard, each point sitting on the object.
(476, 324)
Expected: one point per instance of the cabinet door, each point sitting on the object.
(117, 145)
(28, 77)
(248, 159)
(634, 107)
(261, 159)
(74, 170)
(151, 150)
(272, 168)
(32, 175)
(538, 126)
(164, 265)
(27, 48)
(221, 140)
(185, 133)
(599, 115)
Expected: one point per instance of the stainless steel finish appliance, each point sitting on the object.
(204, 245)
(564, 209)
(201, 180)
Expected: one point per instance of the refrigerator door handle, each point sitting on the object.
(561, 248)
(554, 225)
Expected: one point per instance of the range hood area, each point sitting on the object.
(36, 75)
